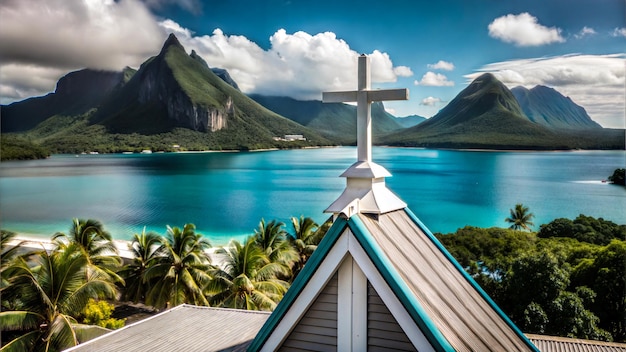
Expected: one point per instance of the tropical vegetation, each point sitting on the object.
(566, 279)
(520, 218)
(618, 177)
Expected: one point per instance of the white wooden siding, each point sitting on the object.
(383, 331)
(317, 330)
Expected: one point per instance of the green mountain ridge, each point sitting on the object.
(487, 115)
(548, 107)
(173, 99)
(336, 121)
(176, 98)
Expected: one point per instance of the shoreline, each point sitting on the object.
(32, 242)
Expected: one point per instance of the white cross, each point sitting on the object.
(364, 97)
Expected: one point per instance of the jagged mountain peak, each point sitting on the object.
(171, 41)
(198, 58)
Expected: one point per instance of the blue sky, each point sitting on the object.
(301, 48)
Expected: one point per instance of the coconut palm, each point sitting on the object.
(180, 271)
(7, 254)
(304, 239)
(520, 218)
(272, 239)
(247, 279)
(143, 247)
(49, 295)
(96, 244)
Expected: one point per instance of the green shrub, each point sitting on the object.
(99, 313)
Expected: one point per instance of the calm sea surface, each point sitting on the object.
(226, 194)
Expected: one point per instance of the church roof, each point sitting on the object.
(448, 308)
(566, 344)
(191, 328)
(183, 328)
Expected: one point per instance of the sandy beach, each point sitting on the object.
(36, 242)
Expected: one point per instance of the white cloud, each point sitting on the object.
(442, 65)
(42, 41)
(596, 82)
(58, 36)
(434, 79)
(619, 32)
(523, 30)
(299, 65)
(585, 32)
(430, 101)
(403, 71)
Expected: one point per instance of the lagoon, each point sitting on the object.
(226, 194)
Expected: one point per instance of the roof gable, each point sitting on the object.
(339, 246)
(427, 292)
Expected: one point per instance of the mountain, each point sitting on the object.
(173, 99)
(336, 121)
(410, 121)
(76, 93)
(548, 107)
(220, 72)
(487, 115)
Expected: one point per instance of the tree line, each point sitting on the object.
(567, 279)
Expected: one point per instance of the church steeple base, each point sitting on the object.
(366, 192)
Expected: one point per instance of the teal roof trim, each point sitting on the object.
(470, 279)
(299, 283)
(397, 285)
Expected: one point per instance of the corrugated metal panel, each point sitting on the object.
(317, 330)
(383, 331)
(184, 328)
(564, 344)
(457, 309)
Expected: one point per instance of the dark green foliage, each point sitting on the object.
(605, 274)
(16, 148)
(584, 228)
(560, 285)
(618, 177)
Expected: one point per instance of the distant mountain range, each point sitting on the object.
(487, 114)
(175, 100)
(336, 121)
(410, 121)
(547, 107)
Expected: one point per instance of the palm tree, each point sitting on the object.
(272, 239)
(304, 239)
(180, 271)
(144, 247)
(520, 218)
(7, 255)
(248, 279)
(49, 295)
(96, 244)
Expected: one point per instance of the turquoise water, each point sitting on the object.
(226, 194)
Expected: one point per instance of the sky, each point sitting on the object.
(300, 48)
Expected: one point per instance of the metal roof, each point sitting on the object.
(564, 344)
(456, 305)
(183, 328)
